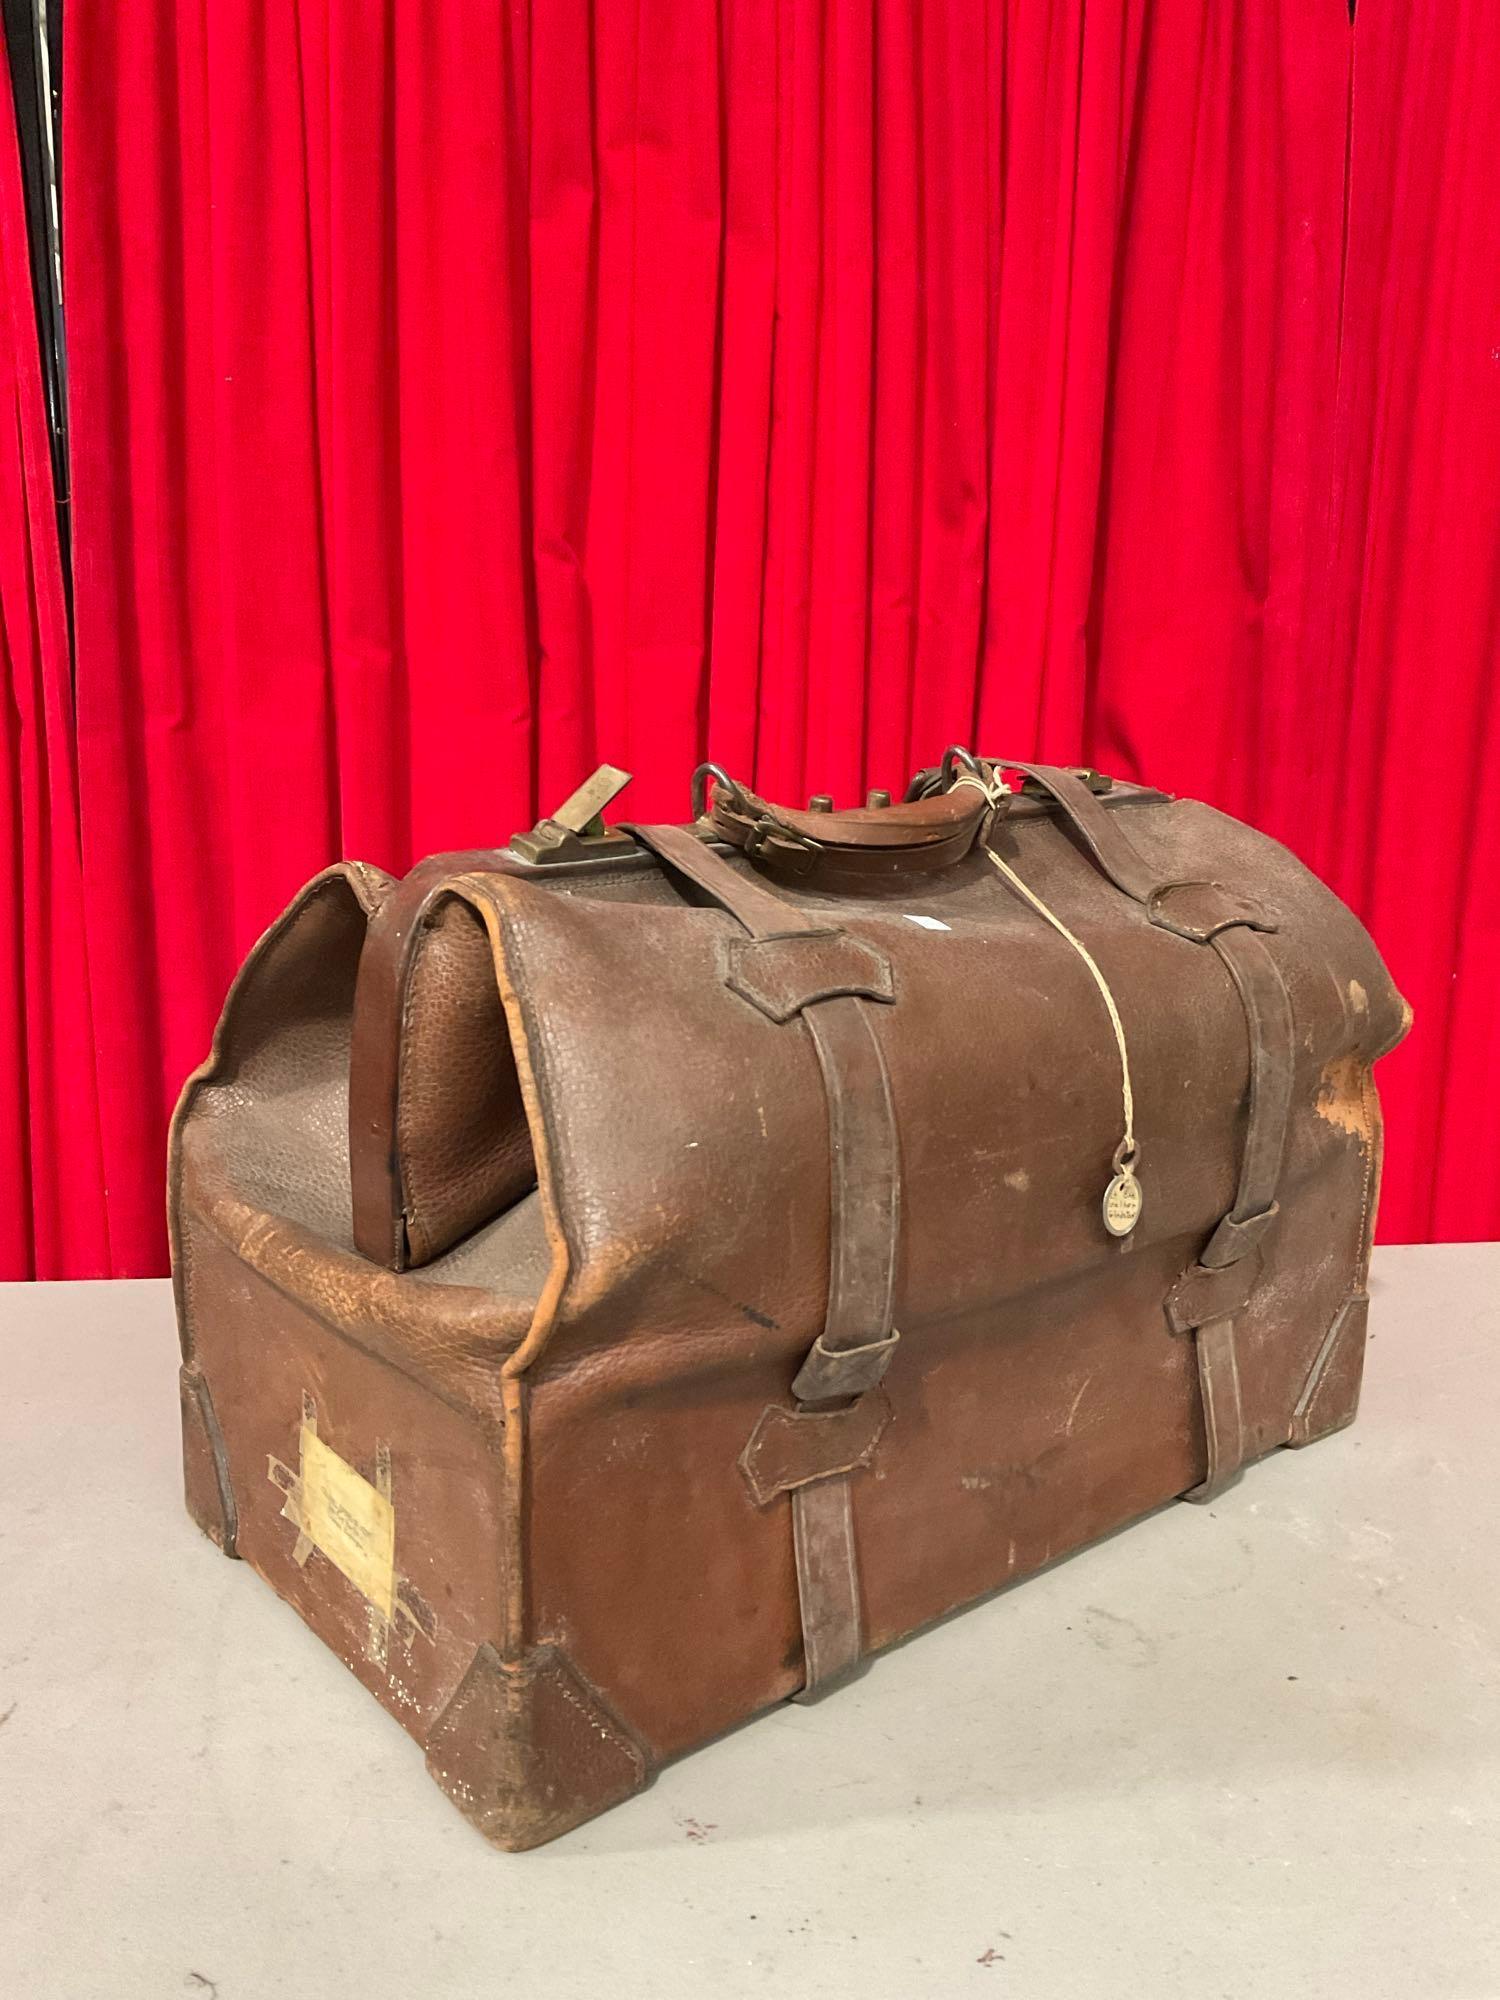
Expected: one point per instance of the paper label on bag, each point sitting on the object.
(353, 1525)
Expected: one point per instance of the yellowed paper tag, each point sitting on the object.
(353, 1525)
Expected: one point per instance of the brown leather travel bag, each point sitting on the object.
(629, 1278)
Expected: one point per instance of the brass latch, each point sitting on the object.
(573, 832)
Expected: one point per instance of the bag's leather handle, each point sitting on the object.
(916, 836)
(1108, 842)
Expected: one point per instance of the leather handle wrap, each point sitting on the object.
(1100, 831)
(912, 838)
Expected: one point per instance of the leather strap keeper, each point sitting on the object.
(1235, 1239)
(791, 1448)
(1200, 910)
(1202, 1294)
(828, 1373)
(782, 975)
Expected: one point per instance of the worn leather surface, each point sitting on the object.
(661, 1287)
(1207, 912)
(267, 1358)
(273, 1090)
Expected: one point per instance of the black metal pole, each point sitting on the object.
(33, 45)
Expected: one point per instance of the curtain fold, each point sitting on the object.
(463, 395)
(52, 1201)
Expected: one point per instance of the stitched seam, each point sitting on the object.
(1236, 1395)
(1321, 1360)
(598, 1721)
(1361, 1245)
(847, 1523)
(407, 1207)
(799, 1550)
(791, 1484)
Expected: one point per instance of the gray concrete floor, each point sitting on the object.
(1242, 1752)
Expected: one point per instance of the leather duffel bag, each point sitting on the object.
(628, 1278)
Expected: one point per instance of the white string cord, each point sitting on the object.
(1126, 1157)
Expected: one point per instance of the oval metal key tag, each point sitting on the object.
(1122, 1203)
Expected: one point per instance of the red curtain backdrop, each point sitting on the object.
(463, 394)
(1405, 665)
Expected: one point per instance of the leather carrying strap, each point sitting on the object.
(852, 1353)
(1223, 1411)
(827, 1585)
(1209, 913)
(1237, 1240)
(1268, 1015)
(915, 837)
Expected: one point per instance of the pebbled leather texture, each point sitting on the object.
(568, 1385)
(438, 1139)
(464, 1142)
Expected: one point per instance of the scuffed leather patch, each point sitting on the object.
(1200, 910)
(782, 975)
(790, 1448)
